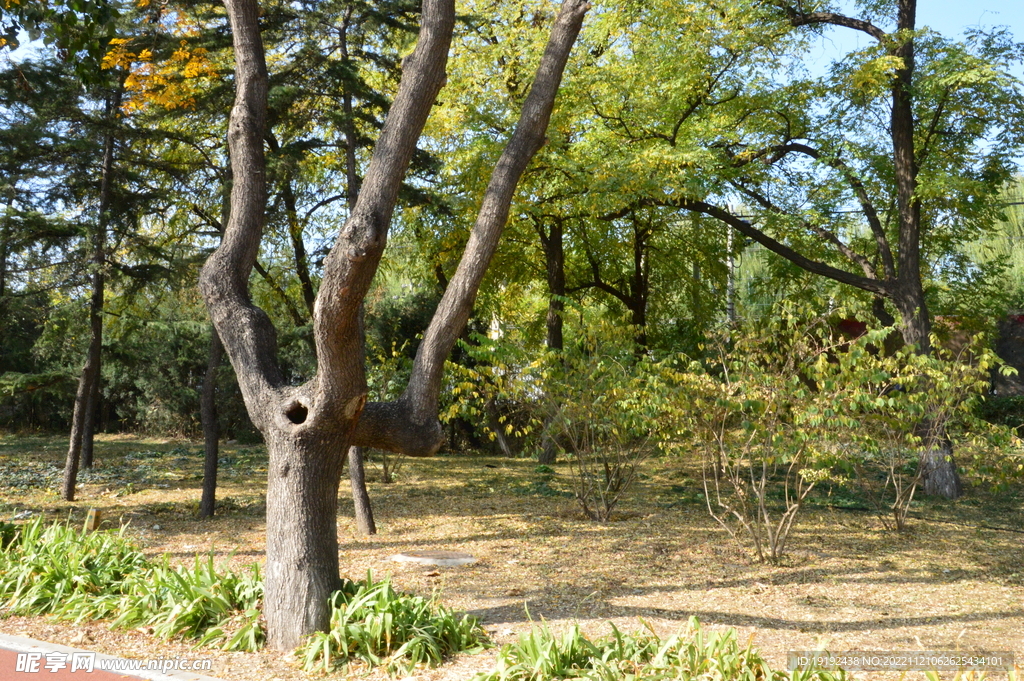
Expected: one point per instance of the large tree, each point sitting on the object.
(308, 427)
(870, 175)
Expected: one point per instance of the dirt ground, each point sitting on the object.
(955, 581)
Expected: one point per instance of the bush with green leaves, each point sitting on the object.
(886, 412)
(748, 411)
(789, 403)
(606, 404)
(378, 626)
(695, 654)
(215, 606)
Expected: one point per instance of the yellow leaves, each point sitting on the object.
(875, 76)
(169, 84)
(117, 55)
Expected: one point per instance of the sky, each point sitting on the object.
(948, 17)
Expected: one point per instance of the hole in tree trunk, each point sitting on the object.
(297, 412)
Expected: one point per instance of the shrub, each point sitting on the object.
(376, 625)
(750, 415)
(605, 404)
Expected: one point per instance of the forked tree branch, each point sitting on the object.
(352, 262)
(382, 425)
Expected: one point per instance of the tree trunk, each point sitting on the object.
(302, 539)
(5, 236)
(363, 509)
(554, 259)
(91, 408)
(360, 497)
(85, 386)
(88, 389)
(308, 428)
(939, 474)
(211, 430)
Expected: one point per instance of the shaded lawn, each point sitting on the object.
(955, 581)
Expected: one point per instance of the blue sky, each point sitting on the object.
(948, 17)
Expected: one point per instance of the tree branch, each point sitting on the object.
(798, 18)
(352, 262)
(881, 240)
(420, 398)
(246, 330)
(747, 229)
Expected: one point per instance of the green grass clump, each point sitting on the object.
(57, 570)
(374, 624)
(54, 569)
(695, 655)
(218, 607)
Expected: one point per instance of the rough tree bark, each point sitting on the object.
(362, 507)
(308, 428)
(87, 394)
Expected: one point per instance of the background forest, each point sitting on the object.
(800, 280)
(115, 179)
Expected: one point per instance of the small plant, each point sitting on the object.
(605, 404)
(217, 607)
(752, 416)
(695, 655)
(378, 626)
(51, 569)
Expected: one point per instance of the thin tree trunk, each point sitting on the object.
(360, 497)
(85, 402)
(211, 430)
(730, 278)
(5, 237)
(91, 409)
(554, 259)
(356, 465)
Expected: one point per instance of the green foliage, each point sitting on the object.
(378, 626)
(789, 403)
(749, 414)
(605, 402)
(496, 386)
(1004, 411)
(694, 655)
(97, 575)
(50, 569)
(218, 607)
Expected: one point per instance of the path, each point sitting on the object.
(51, 662)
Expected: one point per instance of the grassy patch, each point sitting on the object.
(380, 627)
(696, 654)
